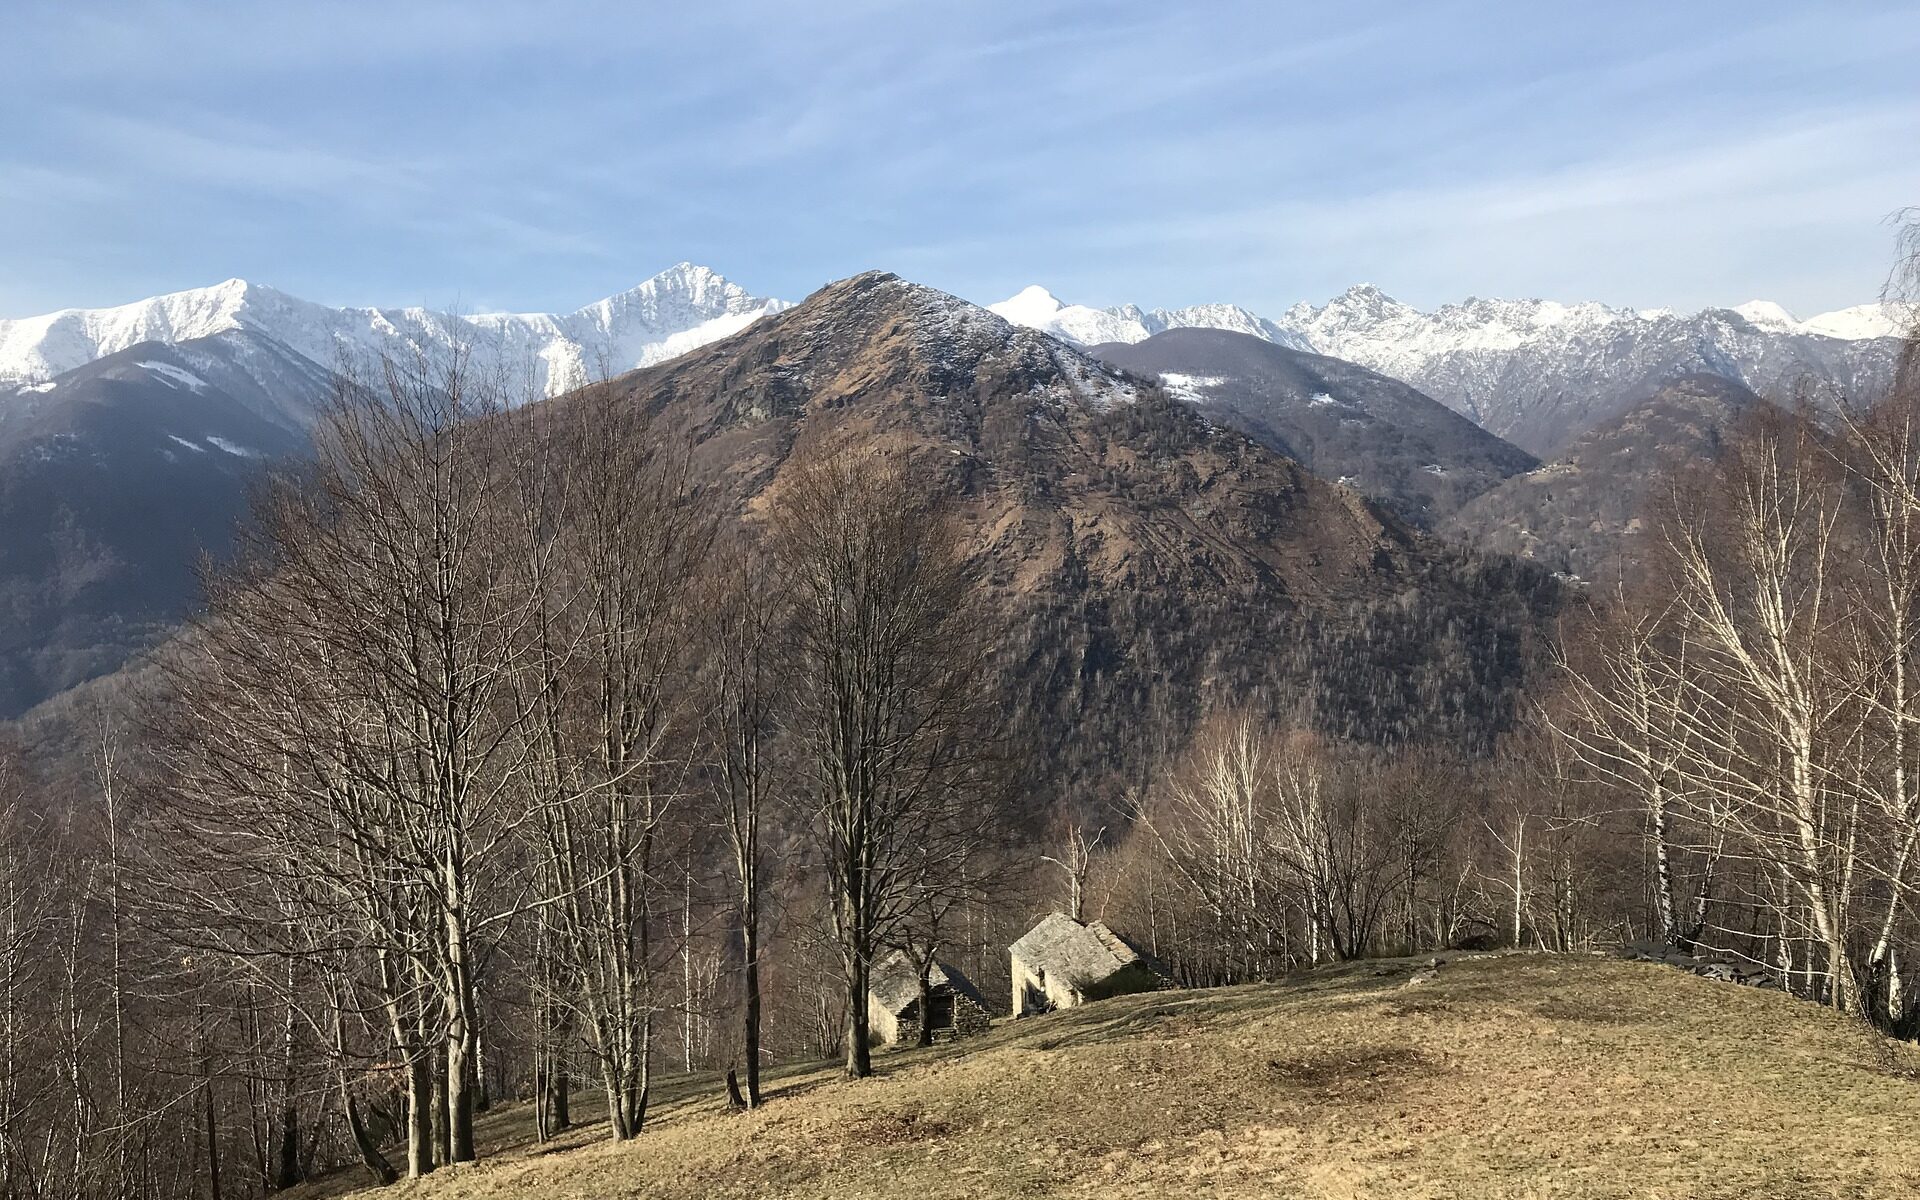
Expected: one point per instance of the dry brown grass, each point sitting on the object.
(1523, 1076)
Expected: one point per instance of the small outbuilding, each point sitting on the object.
(1062, 962)
(955, 1007)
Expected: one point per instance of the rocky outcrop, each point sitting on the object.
(1720, 968)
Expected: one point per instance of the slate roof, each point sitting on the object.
(1081, 955)
(895, 982)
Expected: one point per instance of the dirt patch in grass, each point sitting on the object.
(897, 1129)
(1567, 1008)
(1350, 1071)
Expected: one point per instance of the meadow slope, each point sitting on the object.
(1516, 1076)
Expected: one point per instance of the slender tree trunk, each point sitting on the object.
(750, 941)
(686, 966)
(1663, 871)
(461, 1024)
(1519, 881)
(207, 1107)
(286, 1168)
(421, 1092)
(459, 1140)
(562, 1096)
(859, 1036)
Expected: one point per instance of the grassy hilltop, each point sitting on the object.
(1517, 1076)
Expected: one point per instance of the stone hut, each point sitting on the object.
(955, 1007)
(1062, 962)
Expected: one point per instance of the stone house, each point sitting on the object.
(1062, 962)
(955, 1007)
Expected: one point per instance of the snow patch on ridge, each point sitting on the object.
(1191, 388)
(173, 374)
(1864, 321)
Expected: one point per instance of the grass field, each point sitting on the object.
(1519, 1076)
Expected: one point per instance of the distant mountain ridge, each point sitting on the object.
(1037, 308)
(1345, 423)
(115, 478)
(1587, 514)
(1535, 372)
(675, 311)
(1136, 538)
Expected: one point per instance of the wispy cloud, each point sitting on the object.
(363, 151)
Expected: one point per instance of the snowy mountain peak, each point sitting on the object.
(1368, 293)
(1037, 297)
(1895, 319)
(682, 307)
(685, 281)
(1038, 308)
(1765, 314)
(1858, 323)
(1032, 305)
(1366, 301)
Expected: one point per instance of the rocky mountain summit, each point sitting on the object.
(1145, 550)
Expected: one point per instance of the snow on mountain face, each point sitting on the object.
(1540, 373)
(680, 308)
(1536, 372)
(1037, 308)
(1861, 321)
(1854, 324)
(1765, 314)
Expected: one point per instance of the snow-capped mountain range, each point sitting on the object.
(1535, 372)
(682, 307)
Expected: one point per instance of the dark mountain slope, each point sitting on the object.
(1583, 513)
(1342, 421)
(113, 479)
(1156, 561)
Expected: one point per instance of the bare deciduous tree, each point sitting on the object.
(891, 695)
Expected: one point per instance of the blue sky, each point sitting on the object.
(538, 156)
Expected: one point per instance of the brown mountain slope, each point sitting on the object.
(1065, 464)
(1155, 562)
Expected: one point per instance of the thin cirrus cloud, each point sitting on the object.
(373, 153)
